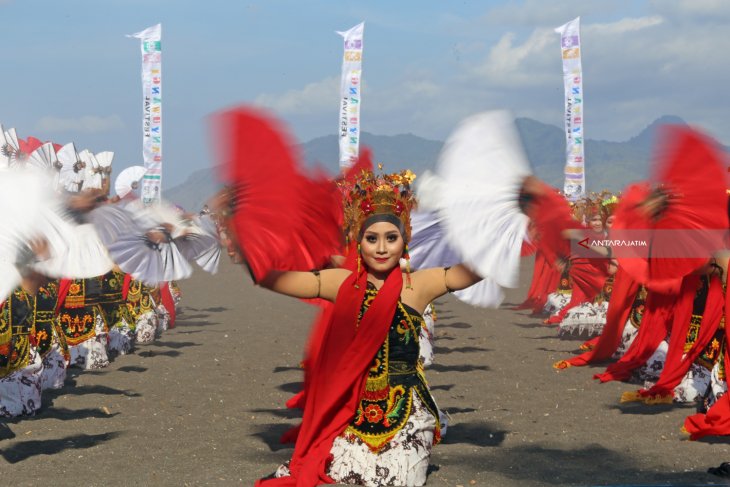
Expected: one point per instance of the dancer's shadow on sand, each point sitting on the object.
(639, 408)
(282, 368)
(27, 449)
(157, 353)
(478, 434)
(64, 414)
(132, 368)
(291, 387)
(576, 466)
(442, 387)
(457, 368)
(458, 324)
(271, 435)
(175, 345)
(188, 321)
(440, 350)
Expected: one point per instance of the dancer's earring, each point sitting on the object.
(407, 257)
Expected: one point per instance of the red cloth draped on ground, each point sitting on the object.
(622, 297)
(63, 287)
(168, 302)
(338, 375)
(716, 421)
(655, 325)
(283, 219)
(693, 172)
(678, 361)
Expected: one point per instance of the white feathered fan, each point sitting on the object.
(92, 171)
(44, 159)
(11, 148)
(72, 168)
(129, 181)
(475, 191)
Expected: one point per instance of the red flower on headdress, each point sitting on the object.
(366, 206)
(399, 207)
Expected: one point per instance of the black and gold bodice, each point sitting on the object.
(565, 284)
(80, 310)
(638, 307)
(139, 300)
(712, 352)
(606, 290)
(112, 302)
(46, 324)
(16, 324)
(392, 380)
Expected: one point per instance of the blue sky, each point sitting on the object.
(70, 74)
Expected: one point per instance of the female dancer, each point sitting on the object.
(368, 416)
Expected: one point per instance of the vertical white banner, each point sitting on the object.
(575, 180)
(152, 112)
(350, 96)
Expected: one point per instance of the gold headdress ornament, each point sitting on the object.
(608, 205)
(378, 197)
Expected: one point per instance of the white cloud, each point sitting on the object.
(624, 26)
(87, 124)
(688, 10)
(314, 97)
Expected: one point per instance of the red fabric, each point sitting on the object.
(678, 362)
(168, 302)
(716, 422)
(541, 274)
(551, 215)
(338, 376)
(655, 325)
(588, 276)
(63, 286)
(29, 145)
(693, 170)
(314, 341)
(622, 297)
(125, 286)
(284, 219)
(528, 248)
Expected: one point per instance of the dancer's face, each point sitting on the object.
(596, 223)
(381, 246)
(609, 221)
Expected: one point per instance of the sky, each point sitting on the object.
(70, 74)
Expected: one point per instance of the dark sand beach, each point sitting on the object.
(204, 405)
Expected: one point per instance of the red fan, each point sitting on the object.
(283, 219)
(690, 172)
(552, 215)
(30, 144)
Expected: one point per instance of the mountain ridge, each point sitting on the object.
(610, 165)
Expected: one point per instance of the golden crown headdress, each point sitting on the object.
(368, 195)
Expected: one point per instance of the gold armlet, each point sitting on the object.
(319, 282)
(445, 283)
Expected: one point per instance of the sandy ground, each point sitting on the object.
(204, 405)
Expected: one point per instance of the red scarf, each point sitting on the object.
(622, 297)
(678, 362)
(655, 324)
(338, 374)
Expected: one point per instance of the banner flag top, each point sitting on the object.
(151, 112)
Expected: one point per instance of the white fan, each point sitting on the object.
(105, 164)
(4, 157)
(428, 248)
(11, 148)
(72, 174)
(479, 176)
(30, 210)
(92, 170)
(129, 181)
(201, 244)
(149, 262)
